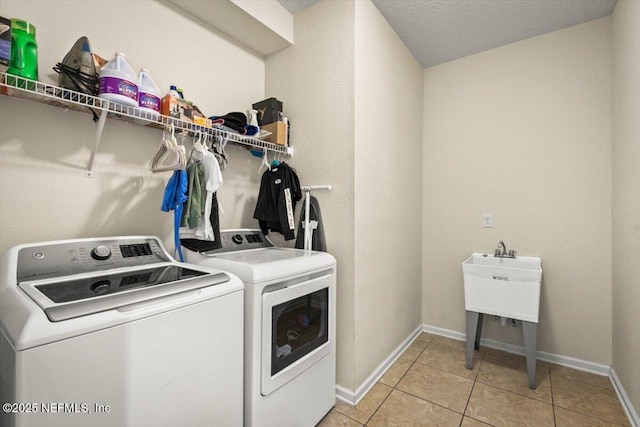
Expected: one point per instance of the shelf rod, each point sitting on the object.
(315, 187)
(308, 234)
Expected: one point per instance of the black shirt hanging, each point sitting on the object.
(279, 192)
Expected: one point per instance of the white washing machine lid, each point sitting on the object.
(30, 314)
(264, 264)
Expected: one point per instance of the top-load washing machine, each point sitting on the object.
(290, 312)
(114, 332)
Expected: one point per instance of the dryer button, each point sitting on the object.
(101, 253)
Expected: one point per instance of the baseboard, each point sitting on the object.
(632, 415)
(582, 365)
(352, 398)
(345, 395)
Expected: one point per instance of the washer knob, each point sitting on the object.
(237, 239)
(101, 253)
(101, 287)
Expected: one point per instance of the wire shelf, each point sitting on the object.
(20, 87)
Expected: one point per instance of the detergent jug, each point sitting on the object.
(118, 82)
(149, 95)
(24, 50)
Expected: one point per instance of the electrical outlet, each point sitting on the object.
(487, 220)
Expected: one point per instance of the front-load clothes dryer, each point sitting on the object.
(114, 332)
(290, 325)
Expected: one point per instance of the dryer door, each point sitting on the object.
(295, 330)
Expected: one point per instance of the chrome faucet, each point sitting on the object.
(501, 251)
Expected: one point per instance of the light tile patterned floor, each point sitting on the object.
(428, 385)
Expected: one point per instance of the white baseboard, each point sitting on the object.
(351, 397)
(624, 398)
(583, 365)
(345, 395)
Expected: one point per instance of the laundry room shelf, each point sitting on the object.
(44, 93)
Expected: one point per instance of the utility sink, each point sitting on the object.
(507, 287)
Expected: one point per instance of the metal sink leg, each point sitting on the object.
(530, 334)
(474, 329)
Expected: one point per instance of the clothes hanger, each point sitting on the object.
(169, 150)
(215, 147)
(275, 163)
(223, 153)
(264, 161)
(205, 142)
(196, 154)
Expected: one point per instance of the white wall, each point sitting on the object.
(314, 78)
(524, 132)
(388, 186)
(44, 150)
(626, 196)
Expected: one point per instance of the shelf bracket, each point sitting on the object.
(103, 118)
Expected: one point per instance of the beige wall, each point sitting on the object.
(388, 185)
(343, 79)
(44, 194)
(626, 196)
(524, 132)
(314, 79)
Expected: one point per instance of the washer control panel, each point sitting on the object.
(64, 258)
(240, 240)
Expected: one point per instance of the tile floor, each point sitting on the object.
(429, 386)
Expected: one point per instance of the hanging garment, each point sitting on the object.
(318, 242)
(175, 194)
(198, 245)
(212, 181)
(192, 213)
(279, 193)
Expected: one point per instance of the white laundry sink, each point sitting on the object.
(507, 287)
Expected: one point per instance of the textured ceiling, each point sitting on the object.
(438, 31)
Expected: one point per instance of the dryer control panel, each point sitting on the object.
(65, 258)
(241, 240)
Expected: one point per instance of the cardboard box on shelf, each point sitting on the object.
(202, 121)
(278, 132)
(269, 111)
(177, 108)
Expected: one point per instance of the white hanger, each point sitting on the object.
(169, 149)
(264, 162)
(197, 151)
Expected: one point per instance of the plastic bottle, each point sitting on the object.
(170, 103)
(118, 82)
(148, 95)
(24, 50)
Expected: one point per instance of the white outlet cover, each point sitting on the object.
(487, 220)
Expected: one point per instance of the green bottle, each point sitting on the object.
(24, 50)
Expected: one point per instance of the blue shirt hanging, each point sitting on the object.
(175, 194)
